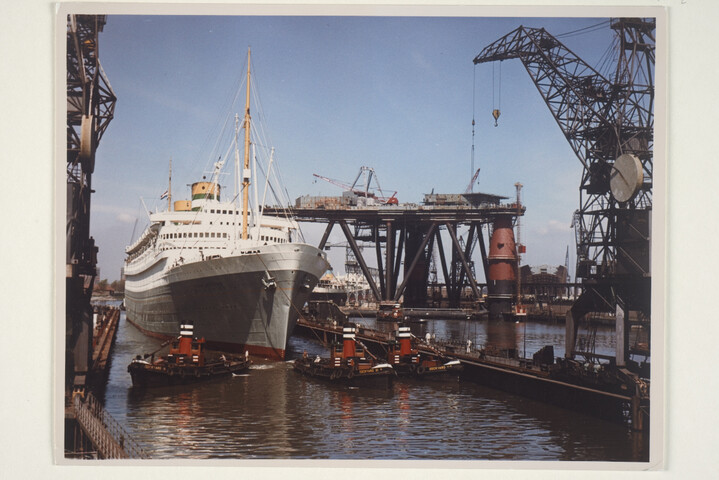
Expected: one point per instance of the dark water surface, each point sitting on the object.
(274, 413)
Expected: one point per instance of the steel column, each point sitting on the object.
(398, 256)
(467, 270)
(326, 235)
(389, 256)
(360, 259)
(417, 256)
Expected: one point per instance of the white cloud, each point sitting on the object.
(125, 218)
(421, 61)
(554, 226)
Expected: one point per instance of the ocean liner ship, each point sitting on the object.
(240, 277)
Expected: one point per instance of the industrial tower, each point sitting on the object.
(90, 107)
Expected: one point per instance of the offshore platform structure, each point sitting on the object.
(405, 237)
(609, 125)
(90, 107)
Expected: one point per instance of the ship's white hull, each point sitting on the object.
(242, 302)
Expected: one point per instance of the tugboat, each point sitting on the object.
(350, 363)
(410, 362)
(390, 312)
(184, 364)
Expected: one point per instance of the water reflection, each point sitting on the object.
(529, 336)
(275, 413)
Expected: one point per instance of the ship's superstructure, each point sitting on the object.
(240, 277)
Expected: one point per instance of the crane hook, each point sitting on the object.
(495, 114)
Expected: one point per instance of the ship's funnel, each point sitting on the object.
(203, 191)
(186, 336)
(348, 342)
(405, 341)
(183, 206)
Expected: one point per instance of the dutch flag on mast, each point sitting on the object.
(164, 195)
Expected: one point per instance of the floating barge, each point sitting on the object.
(610, 393)
(186, 363)
(349, 364)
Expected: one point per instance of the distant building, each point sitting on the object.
(544, 281)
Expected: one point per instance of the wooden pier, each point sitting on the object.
(100, 436)
(91, 432)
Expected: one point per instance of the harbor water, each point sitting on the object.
(272, 412)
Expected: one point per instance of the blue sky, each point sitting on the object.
(393, 93)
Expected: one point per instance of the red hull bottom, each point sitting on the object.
(254, 350)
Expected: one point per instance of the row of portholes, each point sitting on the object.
(265, 238)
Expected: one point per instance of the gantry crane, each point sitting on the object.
(609, 125)
(90, 107)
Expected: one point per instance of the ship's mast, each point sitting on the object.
(246, 171)
(169, 189)
(237, 176)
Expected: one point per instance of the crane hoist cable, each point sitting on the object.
(496, 104)
(474, 87)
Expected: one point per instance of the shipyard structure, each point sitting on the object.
(407, 243)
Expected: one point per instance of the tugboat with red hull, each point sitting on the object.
(409, 361)
(185, 363)
(349, 364)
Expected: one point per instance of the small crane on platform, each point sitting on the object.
(364, 188)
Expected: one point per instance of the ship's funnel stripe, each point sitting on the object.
(186, 332)
(187, 327)
(202, 196)
(404, 335)
(349, 336)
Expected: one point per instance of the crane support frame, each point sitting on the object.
(602, 120)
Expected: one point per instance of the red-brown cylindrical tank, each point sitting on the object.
(502, 268)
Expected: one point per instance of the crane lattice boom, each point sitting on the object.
(601, 120)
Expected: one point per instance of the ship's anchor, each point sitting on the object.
(269, 281)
